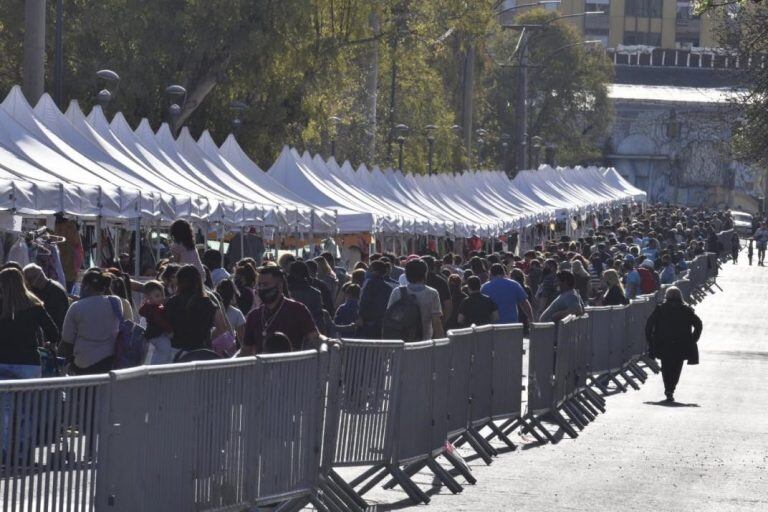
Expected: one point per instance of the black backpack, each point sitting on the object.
(402, 320)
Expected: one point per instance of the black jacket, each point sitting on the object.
(308, 295)
(672, 331)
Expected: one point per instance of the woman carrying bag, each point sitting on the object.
(91, 326)
(673, 331)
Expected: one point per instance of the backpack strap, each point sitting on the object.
(114, 302)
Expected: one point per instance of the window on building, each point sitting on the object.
(597, 5)
(643, 8)
(644, 38)
(685, 11)
(686, 42)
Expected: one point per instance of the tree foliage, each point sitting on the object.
(745, 33)
(567, 91)
(297, 63)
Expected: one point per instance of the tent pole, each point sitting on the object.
(242, 242)
(312, 233)
(99, 246)
(157, 242)
(137, 249)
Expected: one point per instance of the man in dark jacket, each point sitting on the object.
(301, 291)
(374, 297)
(672, 331)
(53, 295)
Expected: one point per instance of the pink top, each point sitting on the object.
(184, 256)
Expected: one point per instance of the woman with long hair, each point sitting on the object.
(673, 331)
(22, 315)
(326, 274)
(581, 277)
(183, 246)
(194, 317)
(91, 325)
(228, 293)
(614, 295)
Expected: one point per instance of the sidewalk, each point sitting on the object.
(710, 454)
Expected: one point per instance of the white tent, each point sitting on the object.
(87, 166)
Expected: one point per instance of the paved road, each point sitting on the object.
(710, 455)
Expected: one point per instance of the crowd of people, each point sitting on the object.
(202, 307)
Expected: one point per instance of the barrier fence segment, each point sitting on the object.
(288, 422)
(51, 442)
(175, 435)
(460, 410)
(507, 381)
(421, 428)
(541, 383)
(600, 337)
(481, 390)
(368, 388)
(541, 359)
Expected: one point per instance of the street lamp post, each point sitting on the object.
(505, 138)
(334, 132)
(400, 129)
(58, 65)
(521, 107)
(481, 136)
(105, 95)
(536, 143)
(174, 110)
(238, 107)
(430, 129)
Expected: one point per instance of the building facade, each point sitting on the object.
(658, 23)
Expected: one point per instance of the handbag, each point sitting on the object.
(225, 344)
(130, 342)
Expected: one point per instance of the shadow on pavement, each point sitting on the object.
(664, 403)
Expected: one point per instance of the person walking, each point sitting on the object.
(569, 301)
(426, 300)
(673, 331)
(507, 294)
(477, 309)
(194, 317)
(183, 246)
(374, 297)
(278, 314)
(50, 292)
(21, 317)
(761, 242)
(91, 326)
(614, 294)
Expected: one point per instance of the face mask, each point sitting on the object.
(268, 295)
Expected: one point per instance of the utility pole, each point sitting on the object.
(58, 63)
(521, 107)
(468, 100)
(33, 74)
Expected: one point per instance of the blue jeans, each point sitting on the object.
(9, 419)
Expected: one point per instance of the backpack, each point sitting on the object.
(647, 281)
(402, 320)
(130, 342)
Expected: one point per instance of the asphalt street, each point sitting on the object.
(707, 453)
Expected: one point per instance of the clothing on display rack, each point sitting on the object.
(19, 252)
(72, 254)
(254, 248)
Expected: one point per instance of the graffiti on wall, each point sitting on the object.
(690, 164)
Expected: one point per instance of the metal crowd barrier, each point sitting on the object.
(52, 442)
(270, 430)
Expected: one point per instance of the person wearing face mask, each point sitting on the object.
(278, 313)
(567, 303)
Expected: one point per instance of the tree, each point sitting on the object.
(745, 33)
(297, 63)
(567, 91)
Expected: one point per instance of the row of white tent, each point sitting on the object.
(87, 166)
